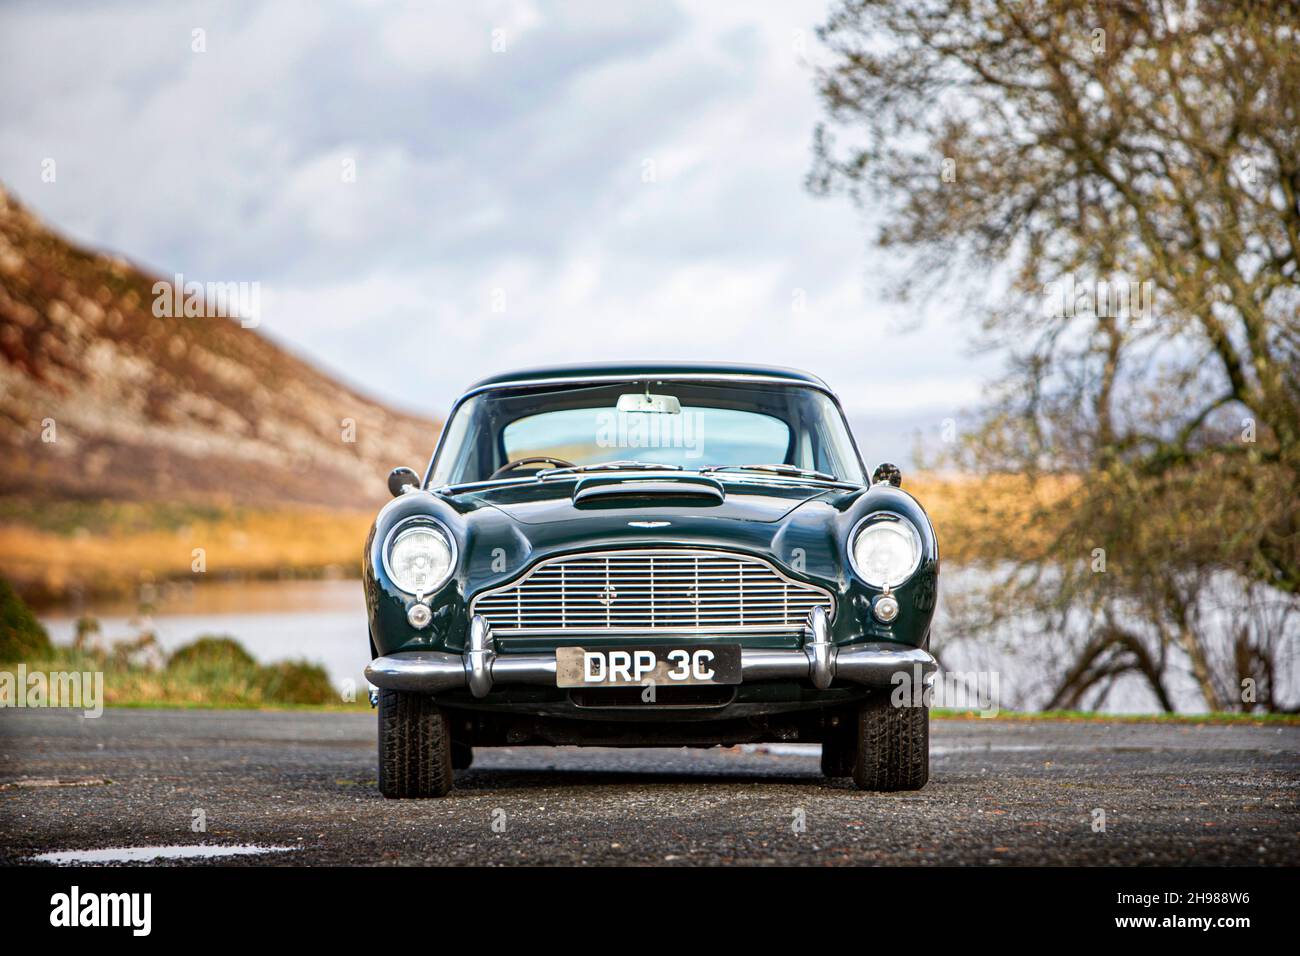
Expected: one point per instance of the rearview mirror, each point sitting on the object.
(400, 478)
(653, 404)
(888, 473)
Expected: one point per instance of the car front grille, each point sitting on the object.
(675, 590)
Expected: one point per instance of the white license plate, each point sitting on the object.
(658, 666)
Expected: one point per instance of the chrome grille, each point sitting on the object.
(669, 590)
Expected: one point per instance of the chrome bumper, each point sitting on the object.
(480, 668)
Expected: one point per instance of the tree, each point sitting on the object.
(1133, 170)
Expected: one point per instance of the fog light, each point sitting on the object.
(419, 615)
(885, 608)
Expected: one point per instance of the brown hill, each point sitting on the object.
(167, 409)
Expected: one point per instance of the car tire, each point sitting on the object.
(893, 746)
(839, 746)
(414, 746)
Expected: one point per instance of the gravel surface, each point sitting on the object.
(1000, 792)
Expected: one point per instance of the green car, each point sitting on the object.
(667, 555)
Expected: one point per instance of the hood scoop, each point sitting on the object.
(618, 491)
(604, 501)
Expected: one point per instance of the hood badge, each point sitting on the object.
(648, 524)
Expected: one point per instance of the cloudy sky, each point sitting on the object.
(433, 192)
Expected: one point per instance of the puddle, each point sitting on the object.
(143, 854)
(783, 750)
(944, 750)
(54, 782)
(936, 750)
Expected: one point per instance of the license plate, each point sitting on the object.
(658, 666)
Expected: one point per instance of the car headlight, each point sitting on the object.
(419, 557)
(886, 550)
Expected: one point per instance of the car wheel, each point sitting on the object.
(839, 746)
(462, 756)
(893, 746)
(414, 746)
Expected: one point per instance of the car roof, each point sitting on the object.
(640, 370)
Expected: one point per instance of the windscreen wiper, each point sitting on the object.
(621, 465)
(792, 470)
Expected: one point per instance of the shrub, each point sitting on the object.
(295, 682)
(21, 636)
(218, 670)
(212, 653)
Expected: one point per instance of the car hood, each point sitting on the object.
(647, 496)
(503, 529)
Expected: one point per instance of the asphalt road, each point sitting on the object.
(1000, 793)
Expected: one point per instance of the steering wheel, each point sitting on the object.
(520, 462)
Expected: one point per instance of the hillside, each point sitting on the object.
(176, 433)
(148, 409)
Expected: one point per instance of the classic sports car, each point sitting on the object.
(660, 555)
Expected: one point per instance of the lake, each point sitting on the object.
(321, 621)
(325, 622)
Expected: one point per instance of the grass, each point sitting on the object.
(360, 705)
(74, 518)
(108, 549)
(52, 551)
(211, 672)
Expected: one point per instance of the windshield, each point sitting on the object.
(691, 425)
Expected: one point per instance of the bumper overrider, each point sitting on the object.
(480, 668)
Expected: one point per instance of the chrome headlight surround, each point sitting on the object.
(412, 527)
(886, 522)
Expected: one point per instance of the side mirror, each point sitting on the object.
(399, 478)
(888, 473)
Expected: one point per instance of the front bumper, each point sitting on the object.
(480, 668)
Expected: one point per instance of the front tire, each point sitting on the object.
(893, 746)
(414, 746)
(839, 745)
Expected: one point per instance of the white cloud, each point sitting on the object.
(476, 171)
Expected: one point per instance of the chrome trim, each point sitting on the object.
(480, 668)
(885, 608)
(410, 524)
(649, 377)
(479, 657)
(524, 669)
(818, 649)
(426, 672)
(768, 605)
(853, 540)
(877, 664)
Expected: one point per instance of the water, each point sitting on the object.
(323, 622)
(146, 854)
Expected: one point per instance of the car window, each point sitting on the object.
(719, 423)
(696, 436)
